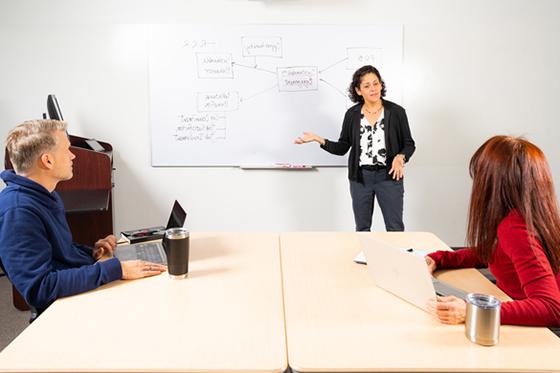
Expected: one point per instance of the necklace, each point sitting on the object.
(373, 112)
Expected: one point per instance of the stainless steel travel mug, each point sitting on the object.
(482, 322)
(176, 246)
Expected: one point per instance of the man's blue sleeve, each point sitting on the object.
(86, 249)
(27, 257)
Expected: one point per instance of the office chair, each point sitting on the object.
(34, 313)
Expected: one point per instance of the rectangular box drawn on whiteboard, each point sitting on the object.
(214, 65)
(297, 78)
(261, 46)
(217, 101)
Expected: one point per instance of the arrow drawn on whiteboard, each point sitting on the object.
(332, 86)
(253, 67)
(241, 99)
(334, 64)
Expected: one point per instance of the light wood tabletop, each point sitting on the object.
(339, 321)
(227, 316)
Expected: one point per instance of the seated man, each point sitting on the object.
(36, 249)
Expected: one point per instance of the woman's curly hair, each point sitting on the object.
(357, 78)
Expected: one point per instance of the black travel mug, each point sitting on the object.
(176, 246)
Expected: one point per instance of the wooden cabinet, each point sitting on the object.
(88, 197)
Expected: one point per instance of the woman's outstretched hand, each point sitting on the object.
(309, 137)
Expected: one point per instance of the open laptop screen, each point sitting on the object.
(177, 217)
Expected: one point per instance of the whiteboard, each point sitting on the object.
(239, 95)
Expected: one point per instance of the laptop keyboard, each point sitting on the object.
(444, 289)
(149, 252)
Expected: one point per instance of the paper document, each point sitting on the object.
(360, 258)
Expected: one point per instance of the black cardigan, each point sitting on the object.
(398, 139)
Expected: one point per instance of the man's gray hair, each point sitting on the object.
(29, 140)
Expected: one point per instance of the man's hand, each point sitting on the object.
(133, 269)
(104, 247)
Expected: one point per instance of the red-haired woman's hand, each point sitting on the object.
(431, 264)
(448, 310)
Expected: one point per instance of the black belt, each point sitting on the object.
(375, 167)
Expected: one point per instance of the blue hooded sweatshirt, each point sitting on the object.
(36, 249)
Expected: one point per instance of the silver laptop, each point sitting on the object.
(153, 251)
(403, 274)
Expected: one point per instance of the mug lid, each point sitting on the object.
(176, 233)
(483, 300)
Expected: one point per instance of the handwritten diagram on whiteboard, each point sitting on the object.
(240, 95)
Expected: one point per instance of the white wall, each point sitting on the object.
(473, 69)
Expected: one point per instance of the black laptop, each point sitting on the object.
(151, 251)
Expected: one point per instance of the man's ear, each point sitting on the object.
(46, 161)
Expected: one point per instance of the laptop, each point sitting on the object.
(153, 251)
(403, 273)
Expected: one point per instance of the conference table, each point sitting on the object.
(263, 302)
(337, 320)
(227, 316)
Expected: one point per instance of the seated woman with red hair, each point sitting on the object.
(514, 229)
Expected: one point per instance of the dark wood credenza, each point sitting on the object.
(87, 197)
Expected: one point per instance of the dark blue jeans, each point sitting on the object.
(390, 195)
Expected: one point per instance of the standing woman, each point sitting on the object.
(377, 134)
(514, 229)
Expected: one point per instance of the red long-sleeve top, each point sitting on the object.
(522, 271)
